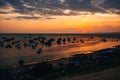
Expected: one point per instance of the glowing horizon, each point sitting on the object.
(17, 17)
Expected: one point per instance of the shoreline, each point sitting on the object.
(56, 48)
(70, 70)
(52, 50)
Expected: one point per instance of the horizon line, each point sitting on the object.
(63, 33)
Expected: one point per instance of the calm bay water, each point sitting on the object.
(10, 57)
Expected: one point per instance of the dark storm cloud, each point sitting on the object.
(3, 12)
(27, 17)
(31, 17)
(111, 4)
(81, 5)
(58, 7)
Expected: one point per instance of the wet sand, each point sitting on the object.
(109, 74)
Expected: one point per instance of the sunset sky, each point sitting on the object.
(59, 16)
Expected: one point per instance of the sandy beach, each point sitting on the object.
(108, 74)
(59, 39)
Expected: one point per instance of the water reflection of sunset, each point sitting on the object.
(59, 39)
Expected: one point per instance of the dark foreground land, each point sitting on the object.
(67, 68)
